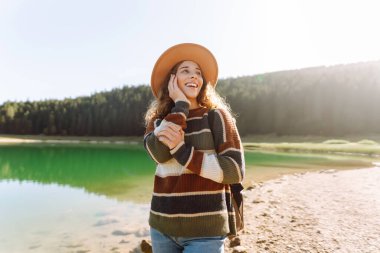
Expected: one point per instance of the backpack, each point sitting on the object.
(238, 205)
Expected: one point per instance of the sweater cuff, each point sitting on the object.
(179, 114)
(175, 149)
(181, 107)
(182, 153)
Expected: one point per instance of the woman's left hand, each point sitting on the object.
(170, 137)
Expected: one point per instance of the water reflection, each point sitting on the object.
(112, 171)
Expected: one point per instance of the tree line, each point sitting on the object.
(334, 100)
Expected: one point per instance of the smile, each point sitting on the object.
(191, 85)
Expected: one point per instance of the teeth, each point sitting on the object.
(191, 85)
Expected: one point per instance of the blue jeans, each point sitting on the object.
(162, 243)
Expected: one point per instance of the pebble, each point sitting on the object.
(235, 242)
(105, 222)
(121, 233)
(239, 249)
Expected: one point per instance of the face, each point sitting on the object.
(189, 79)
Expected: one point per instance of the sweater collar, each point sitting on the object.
(197, 111)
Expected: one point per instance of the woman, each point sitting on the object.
(193, 138)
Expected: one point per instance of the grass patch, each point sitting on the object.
(336, 142)
(368, 142)
(350, 144)
(73, 139)
(344, 148)
(274, 138)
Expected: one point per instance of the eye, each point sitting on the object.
(185, 71)
(199, 73)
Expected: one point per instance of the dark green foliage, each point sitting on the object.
(119, 112)
(336, 100)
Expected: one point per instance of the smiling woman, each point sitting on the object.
(193, 138)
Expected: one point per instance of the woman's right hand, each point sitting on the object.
(175, 93)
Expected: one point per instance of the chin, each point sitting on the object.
(191, 96)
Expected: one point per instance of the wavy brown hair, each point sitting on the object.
(163, 104)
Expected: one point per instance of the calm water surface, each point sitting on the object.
(58, 198)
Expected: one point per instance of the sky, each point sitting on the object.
(52, 49)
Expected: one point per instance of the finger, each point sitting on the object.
(175, 84)
(168, 134)
(176, 87)
(167, 142)
(176, 136)
(164, 140)
(174, 127)
(170, 85)
(168, 124)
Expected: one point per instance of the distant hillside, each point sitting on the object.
(334, 100)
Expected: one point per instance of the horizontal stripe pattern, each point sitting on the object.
(191, 194)
(163, 172)
(187, 215)
(199, 226)
(201, 141)
(185, 183)
(156, 149)
(187, 193)
(190, 204)
(198, 132)
(211, 168)
(227, 166)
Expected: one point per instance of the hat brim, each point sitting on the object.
(184, 52)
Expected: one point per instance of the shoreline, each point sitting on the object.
(71, 140)
(370, 149)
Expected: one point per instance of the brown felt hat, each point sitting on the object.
(184, 52)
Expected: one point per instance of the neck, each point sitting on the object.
(193, 104)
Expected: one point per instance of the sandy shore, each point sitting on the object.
(328, 211)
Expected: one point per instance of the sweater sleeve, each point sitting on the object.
(159, 152)
(227, 165)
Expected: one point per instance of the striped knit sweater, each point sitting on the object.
(192, 194)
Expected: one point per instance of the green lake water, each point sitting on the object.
(53, 195)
